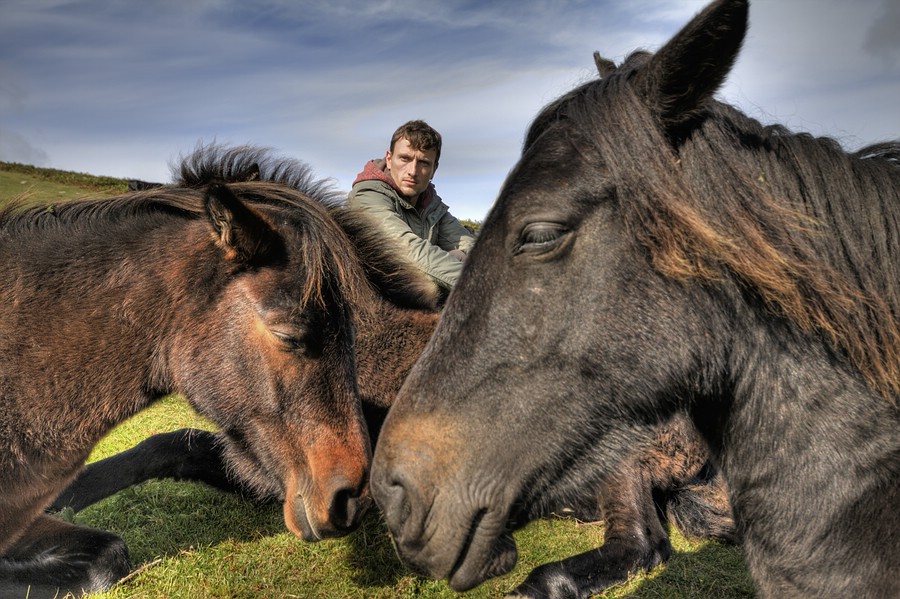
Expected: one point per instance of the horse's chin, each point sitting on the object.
(488, 555)
(296, 521)
(488, 551)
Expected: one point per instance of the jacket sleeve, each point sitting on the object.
(434, 261)
(452, 235)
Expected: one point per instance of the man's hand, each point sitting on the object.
(458, 254)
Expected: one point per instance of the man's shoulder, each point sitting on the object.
(373, 189)
(437, 207)
(376, 184)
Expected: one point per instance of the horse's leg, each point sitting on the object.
(634, 539)
(673, 473)
(694, 494)
(54, 556)
(186, 454)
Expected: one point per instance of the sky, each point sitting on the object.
(124, 88)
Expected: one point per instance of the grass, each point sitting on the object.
(187, 540)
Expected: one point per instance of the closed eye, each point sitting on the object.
(541, 237)
(288, 339)
(295, 340)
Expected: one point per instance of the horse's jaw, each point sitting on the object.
(462, 544)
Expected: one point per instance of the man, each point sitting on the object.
(398, 194)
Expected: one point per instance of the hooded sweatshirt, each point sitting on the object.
(427, 230)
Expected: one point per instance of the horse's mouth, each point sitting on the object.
(297, 521)
(484, 554)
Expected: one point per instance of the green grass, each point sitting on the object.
(187, 540)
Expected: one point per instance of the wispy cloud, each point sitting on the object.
(882, 39)
(122, 88)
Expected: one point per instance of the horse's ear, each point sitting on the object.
(604, 67)
(691, 67)
(242, 233)
(251, 174)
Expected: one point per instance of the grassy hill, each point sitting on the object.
(35, 185)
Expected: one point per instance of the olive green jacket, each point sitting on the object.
(428, 233)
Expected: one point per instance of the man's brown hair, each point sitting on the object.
(421, 136)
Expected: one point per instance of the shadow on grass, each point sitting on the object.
(372, 555)
(712, 570)
(164, 518)
(160, 519)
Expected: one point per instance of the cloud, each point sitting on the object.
(882, 39)
(121, 88)
(15, 148)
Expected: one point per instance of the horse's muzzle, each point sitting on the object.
(332, 512)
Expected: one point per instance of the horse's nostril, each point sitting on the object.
(344, 508)
(402, 503)
(393, 500)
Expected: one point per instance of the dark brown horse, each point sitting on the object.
(655, 253)
(243, 297)
(671, 477)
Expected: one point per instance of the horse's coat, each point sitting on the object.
(689, 260)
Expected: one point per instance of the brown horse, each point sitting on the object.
(395, 314)
(671, 477)
(242, 297)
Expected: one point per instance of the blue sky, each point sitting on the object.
(124, 87)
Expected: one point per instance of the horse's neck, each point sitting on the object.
(387, 348)
(86, 312)
(806, 444)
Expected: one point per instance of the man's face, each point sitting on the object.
(410, 169)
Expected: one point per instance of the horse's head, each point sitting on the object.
(266, 352)
(561, 344)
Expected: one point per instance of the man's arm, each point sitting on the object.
(432, 259)
(453, 235)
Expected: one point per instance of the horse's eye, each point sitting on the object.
(541, 237)
(293, 340)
